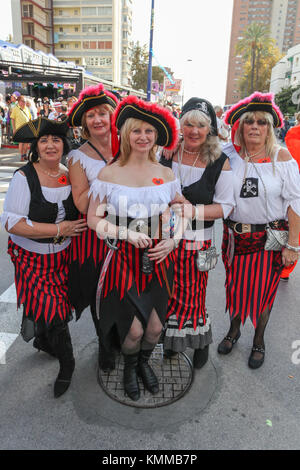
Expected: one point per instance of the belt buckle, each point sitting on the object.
(245, 228)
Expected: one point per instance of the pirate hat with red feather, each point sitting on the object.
(89, 98)
(160, 118)
(255, 102)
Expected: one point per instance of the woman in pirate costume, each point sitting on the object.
(206, 182)
(41, 218)
(266, 185)
(138, 279)
(93, 112)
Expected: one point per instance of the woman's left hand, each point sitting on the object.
(289, 257)
(161, 250)
(182, 207)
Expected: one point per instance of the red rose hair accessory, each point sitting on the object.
(160, 118)
(255, 102)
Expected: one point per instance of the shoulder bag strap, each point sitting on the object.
(97, 151)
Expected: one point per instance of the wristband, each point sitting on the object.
(293, 248)
(58, 231)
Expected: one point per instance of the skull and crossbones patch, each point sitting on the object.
(249, 188)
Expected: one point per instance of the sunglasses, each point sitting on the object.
(260, 122)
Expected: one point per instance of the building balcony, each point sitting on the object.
(59, 20)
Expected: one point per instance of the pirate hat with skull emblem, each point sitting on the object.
(205, 107)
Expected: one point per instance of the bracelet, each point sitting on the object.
(176, 243)
(58, 231)
(293, 248)
(123, 232)
(196, 214)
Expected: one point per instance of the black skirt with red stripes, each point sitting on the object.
(42, 285)
(253, 276)
(127, 292)
(188, 324)
(87, 254)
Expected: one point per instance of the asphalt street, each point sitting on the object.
(229, 406)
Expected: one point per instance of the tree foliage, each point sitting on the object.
(139, 68)
(284, 100)
(259, 55)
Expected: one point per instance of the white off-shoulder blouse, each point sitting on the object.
(282, 188)
(91, 166)
(135, 202)
(223, 194)
(16, 207)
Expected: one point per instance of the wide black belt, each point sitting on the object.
(240, 228)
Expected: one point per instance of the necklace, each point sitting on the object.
(191, 153)
(247, 156)
(50, 174)
(180, 152)
(246, 159)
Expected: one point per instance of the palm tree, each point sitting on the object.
(255, 42)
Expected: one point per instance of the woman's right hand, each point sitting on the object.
(138, 239)
(72, 228)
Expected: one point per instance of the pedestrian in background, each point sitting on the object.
(292, 140)
(19, 116)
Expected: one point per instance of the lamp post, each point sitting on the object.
(188, 60)
(149, 82)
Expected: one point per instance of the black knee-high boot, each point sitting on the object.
(41, 343)
(106, 358)
(146, 372)
(131, 384)
(62, 345)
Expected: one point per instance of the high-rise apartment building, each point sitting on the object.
(283, 19)
(33, 24)
(92, 33)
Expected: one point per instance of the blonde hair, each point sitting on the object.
(210, 149)
(125, 148)
(84, 129)
(271, 142)
(297, 117)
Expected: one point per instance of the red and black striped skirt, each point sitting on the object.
(87, 255)
(127, 292)
(188, 324)
(252, 278)
(42, 284)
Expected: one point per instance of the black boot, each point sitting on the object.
(146, 373)
(131, 385)
(62, 345)
(200, 357)
(41, 343)
(106, 358)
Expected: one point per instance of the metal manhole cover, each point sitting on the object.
(174, 375)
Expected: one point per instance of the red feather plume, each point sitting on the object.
(153, 108)
(258, 97)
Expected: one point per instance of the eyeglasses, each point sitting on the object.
(260, 122)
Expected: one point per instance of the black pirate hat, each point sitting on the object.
(255, 102)
(38, 127)
(205, 107)
(158, 117)
(89, 98)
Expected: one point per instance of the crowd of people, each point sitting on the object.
(126, 227)
(17, 109)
